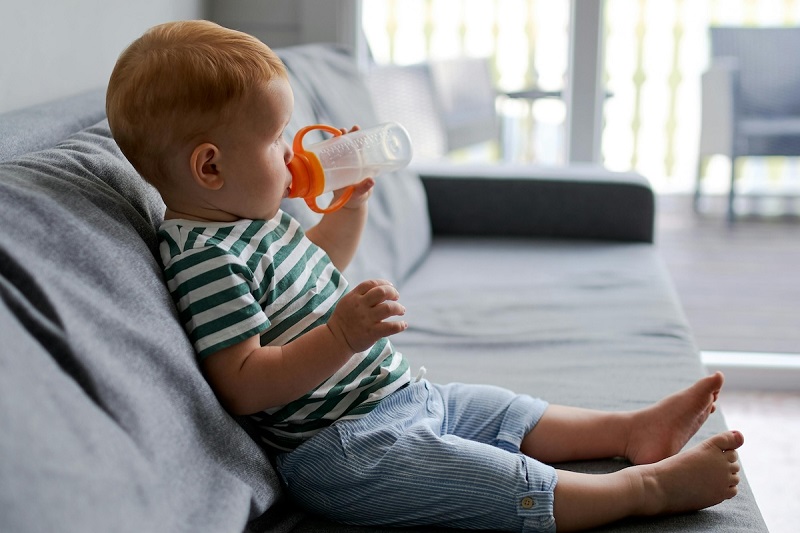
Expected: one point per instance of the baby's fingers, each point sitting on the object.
(364, 186)
(391, 327)
(388, 309)
(381, 293)
(345, 131)
(366, 286)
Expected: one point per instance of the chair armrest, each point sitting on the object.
(580, 202)
(718, 99)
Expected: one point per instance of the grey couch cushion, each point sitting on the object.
(589, 324)
(329, 78)
(114, 427)
(45, 125)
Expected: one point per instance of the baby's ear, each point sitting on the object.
(203, 162)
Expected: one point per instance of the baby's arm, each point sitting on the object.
(248, 377)
(339, 233)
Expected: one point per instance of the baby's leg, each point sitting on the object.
(700, 477)
(644, 436)
(398, 466)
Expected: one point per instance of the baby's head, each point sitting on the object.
(194, 106)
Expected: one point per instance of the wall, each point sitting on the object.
(285, 23)
(50, 49)
(275, 22)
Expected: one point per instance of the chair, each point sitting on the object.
(445, 104)
(467, 97)
(412, 103)
(750, 98)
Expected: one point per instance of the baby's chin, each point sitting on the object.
(274, 213)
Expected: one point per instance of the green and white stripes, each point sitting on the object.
(231, 281)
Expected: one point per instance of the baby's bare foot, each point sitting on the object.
(663, 429)
(700, 477)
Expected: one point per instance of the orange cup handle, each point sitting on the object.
(297, 144)
(334, 206)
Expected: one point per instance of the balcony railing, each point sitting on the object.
(655, 52)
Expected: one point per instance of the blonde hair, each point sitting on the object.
(176, 81)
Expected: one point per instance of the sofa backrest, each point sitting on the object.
(99, 384)
(44, 126)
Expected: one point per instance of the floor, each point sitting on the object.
(739, 284)
(770, 456)
(740, 287)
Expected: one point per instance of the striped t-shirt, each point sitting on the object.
(231, 281)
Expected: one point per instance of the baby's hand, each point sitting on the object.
(361, 193)
(360, 317)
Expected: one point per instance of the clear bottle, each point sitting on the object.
(344, 160)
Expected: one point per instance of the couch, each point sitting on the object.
(542, 280)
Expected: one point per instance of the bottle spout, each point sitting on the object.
(308, 176)
(301, 176)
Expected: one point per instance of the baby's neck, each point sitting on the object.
(210, 216)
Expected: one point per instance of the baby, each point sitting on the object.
(200, 112)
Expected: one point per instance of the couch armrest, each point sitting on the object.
(582, 202)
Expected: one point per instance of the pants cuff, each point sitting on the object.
(535, 507)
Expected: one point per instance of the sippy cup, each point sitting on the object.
(344, 160)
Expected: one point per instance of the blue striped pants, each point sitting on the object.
(429, 454)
